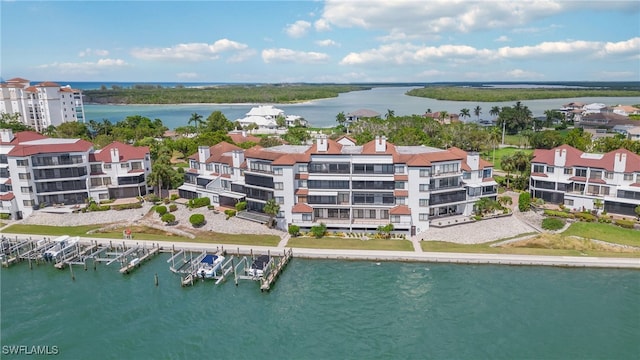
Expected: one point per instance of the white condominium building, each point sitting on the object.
(345, 186)
(41, 105)
(38, 172)
(566, 175)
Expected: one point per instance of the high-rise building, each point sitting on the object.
(41, 105)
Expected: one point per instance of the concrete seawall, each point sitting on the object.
(380, 255)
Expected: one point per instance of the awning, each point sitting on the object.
(233, 195)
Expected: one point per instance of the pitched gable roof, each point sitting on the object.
(577, 157)
(127, 152)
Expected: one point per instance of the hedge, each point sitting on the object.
(560, 214)
(627, 224)
(197, 220)
(552, 224)
(127, 206)
(583, 216)
(168, 218)
(199, 202)
(524, 202)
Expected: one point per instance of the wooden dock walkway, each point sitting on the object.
(274, 273)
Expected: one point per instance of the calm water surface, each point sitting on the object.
(328, 310)
(322, 113)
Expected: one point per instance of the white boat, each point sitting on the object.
(259, 266)
(209, 266)
(62, 244)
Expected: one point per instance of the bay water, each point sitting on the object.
(322, 113)
(325, 309)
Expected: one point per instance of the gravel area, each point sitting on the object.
(215, 222)
(478, 232)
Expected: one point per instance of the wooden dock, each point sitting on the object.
(274, 273)
(136, 262)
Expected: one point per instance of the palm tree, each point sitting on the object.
(495, 111)
(494, 137)
(390, 114)
(477, 111)
(271, 208)
(464, 113)
(443, 115)
(196, 119)
(507, 164)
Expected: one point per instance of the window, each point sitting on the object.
(306, 217)
(277, 171)
(278, 186)
(107, 166)
(124, 166)
(400, 185)
(27, 202)
(96, 182)
(399, 169)
(216, 168)
(209, 167)
(550, 169)
(302, 183)
(395, 218)
(279, 199)
(568, 171)
(424, 202)
(595, 174)
(581, 172)
(448, 168)
(628, 177)
(486, 173)
(425, 172)
(26, 189)
(303, 168)
(424, 187)
(538, 168)
(568, 202)
(24, 176)
(401, 201)
(24, 162)
(608, 175)
(423, 217)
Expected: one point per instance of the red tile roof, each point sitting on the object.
(218, 153)
(400, 177)
(574, 158)
(539, 174)
(48, 84)
(400, 210)
(302, 191)
(7, 197)
(17, 79)
(301, 208)
(127, 152)
(27, 150)
(302, 176)
(23, 136)
(238, 138)
(333, 148)
(401, 193)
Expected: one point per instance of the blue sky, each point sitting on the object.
(321, 41)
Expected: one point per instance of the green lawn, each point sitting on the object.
(351, 244)
(500, 153)
(144, 233)
(605, 232)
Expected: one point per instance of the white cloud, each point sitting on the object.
(86, 67)
(298, 29)
(293, 56)
(502, 38)
(408, 53)
(419, 18)
(97, 52)
(190, 51)
(327, 42)
(533, 30)
(187, 75)
(322, 25)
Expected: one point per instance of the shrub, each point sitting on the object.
(166, 200)
(230, 213)
(552, 224)
(524, 202)
(127, 206)
(199, 202)
(627, 224)
(174, 197)
(294, 230)
(173, 207)
(5, 216)
(168, 218)
(242, 205)
(152, 198)
(318, 231)
(95, 207)
(560, 214)
(197, 220)
(161, 210)
(585, 216)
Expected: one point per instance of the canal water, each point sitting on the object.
(326, 310)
